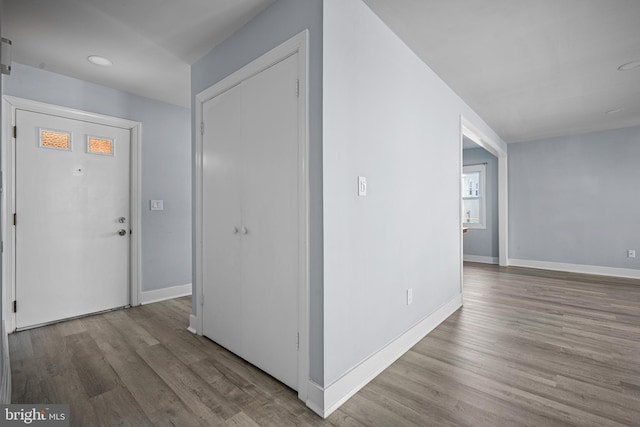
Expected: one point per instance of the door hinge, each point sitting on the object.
(297, 87)
(1, 246)
(201, 300)
(298, 340)
(15, 219)
(15, 132)
(201, 128)
(15, 306)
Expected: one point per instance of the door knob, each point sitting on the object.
(235, 230)
(122, 220)
(122, 232)
(245, 230)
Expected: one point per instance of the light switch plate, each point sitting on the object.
(362, 186)
(157, 205)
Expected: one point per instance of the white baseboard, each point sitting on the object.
(324, 401)
(5, 369)
(481, 259)
(315, 399)
(576, 268)
(193, 324)
(158, 295)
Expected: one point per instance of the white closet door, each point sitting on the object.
(250, 181)
(270, 208)
(222, 219)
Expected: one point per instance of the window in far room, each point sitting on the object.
(473, 196)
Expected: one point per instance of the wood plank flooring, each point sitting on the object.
(529, 347)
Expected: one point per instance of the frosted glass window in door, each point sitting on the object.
(473, 197)
(58, 140)
(102, 146)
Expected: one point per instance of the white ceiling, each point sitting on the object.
(530, 68)
(152, 43)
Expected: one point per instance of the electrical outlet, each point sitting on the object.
(409, 296)
(631, 253)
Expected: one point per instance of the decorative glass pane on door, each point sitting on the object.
(96, 145)
(55, 139)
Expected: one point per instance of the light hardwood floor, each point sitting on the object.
(529, 347)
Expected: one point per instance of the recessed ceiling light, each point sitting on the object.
(617, 110)
(99, 60)
(629, 66)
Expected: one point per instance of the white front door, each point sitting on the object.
(72, 218)
(250, 220)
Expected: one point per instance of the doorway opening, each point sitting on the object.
(479, 203)
(483, 198)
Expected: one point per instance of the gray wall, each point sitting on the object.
(576, 199)
(275, 25)
(476, 241)
(166, 164)
(386, 116)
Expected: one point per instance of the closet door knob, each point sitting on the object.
(235, 230)
(245, 230)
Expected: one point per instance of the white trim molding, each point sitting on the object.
(157, 295)
(297, 44)
(324, 401)
(481, 259)
(10, 105)
(629, 273)
(193, 324)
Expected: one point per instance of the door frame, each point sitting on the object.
(10, 105)
(472, 132)
(297, 44)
